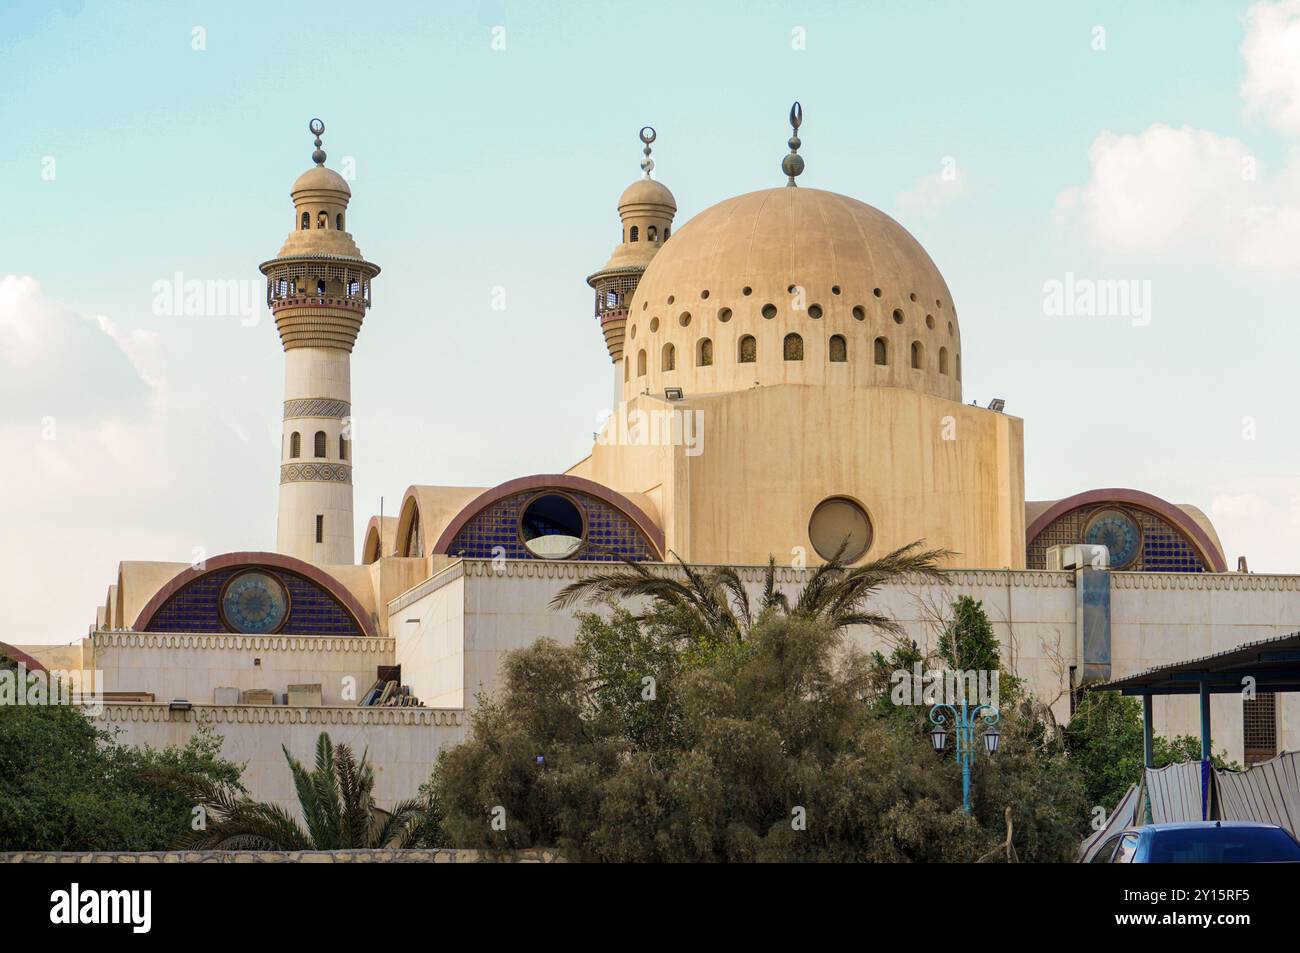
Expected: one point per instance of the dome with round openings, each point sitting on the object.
(797, 285)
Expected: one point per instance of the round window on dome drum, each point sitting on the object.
(840, 523)
(552, 526)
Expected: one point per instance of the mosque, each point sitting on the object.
(802, 354)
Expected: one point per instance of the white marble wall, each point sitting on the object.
(471, 614)
(192, 666)
(402, 743)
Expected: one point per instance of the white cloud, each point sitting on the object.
(1262, 515)
(1272, 51)
(101, 468)
(929, 196)
(1187, 190)
(1194, 191)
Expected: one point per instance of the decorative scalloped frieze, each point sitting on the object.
(558, 569)
(1205, 581)
(260, 643)
(282, 715)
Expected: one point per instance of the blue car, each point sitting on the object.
(1201, 842)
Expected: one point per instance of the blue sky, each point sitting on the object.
(479, 168)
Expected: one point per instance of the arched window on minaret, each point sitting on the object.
(652, 234)
(670, 358)
(635, 233)
(343, 447)
(640, 363)
(319, 447)
(306, 220)
(338, 221)
(321, 219)
(295, 444)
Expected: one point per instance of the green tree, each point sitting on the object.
(67, 786)
(756, 749)
(337, 802)
(967, 642)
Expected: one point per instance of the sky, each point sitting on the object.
(1030, 148)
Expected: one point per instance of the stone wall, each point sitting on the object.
(286, 857)
(401, 743)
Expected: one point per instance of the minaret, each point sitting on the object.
(318, 289)
(647, 209)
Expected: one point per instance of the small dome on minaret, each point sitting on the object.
(646, 209)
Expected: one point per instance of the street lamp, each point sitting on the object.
(965, 721)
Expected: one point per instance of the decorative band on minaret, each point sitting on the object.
(318, 289)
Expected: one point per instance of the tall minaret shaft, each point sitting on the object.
(318, 289)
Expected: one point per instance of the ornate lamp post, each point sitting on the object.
(965, 721)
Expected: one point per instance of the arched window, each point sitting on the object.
(321, 219)
(338, 221)
(667, 231)
(704, 353)
(839, 349)
(881, 349)
(652, 234)
(319, 443)
(748, 349)
(957, 360)
(627, 369)
(918, 356)
(792, 348)
(295, 444)
(635, 233)
(343, 447)
(320, 286)
(943, 360)
(670, 358)
(640, 363)
(306, 220)
(412, 546)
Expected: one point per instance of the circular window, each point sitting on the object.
(912, 296)
(876, 292)
(654, 324)
(684, 318)
(769, 311)
(929, 321)
(898, 316)
(747, 290)
(632, 334)
(254, 602)
(551, 526)
(724, 315)
(672, 298)
(859, 312)
(839, 522)
(704, 294)
(814, 311)
(1118, 532)
(835, 289)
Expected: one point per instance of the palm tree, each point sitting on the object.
(337, 801)
(716, 600)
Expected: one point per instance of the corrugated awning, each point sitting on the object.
(1273, 663)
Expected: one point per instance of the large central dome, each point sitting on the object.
(792, 285)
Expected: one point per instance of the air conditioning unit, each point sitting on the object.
(1078, 556)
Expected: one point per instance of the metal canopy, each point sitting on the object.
(1273, 663)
